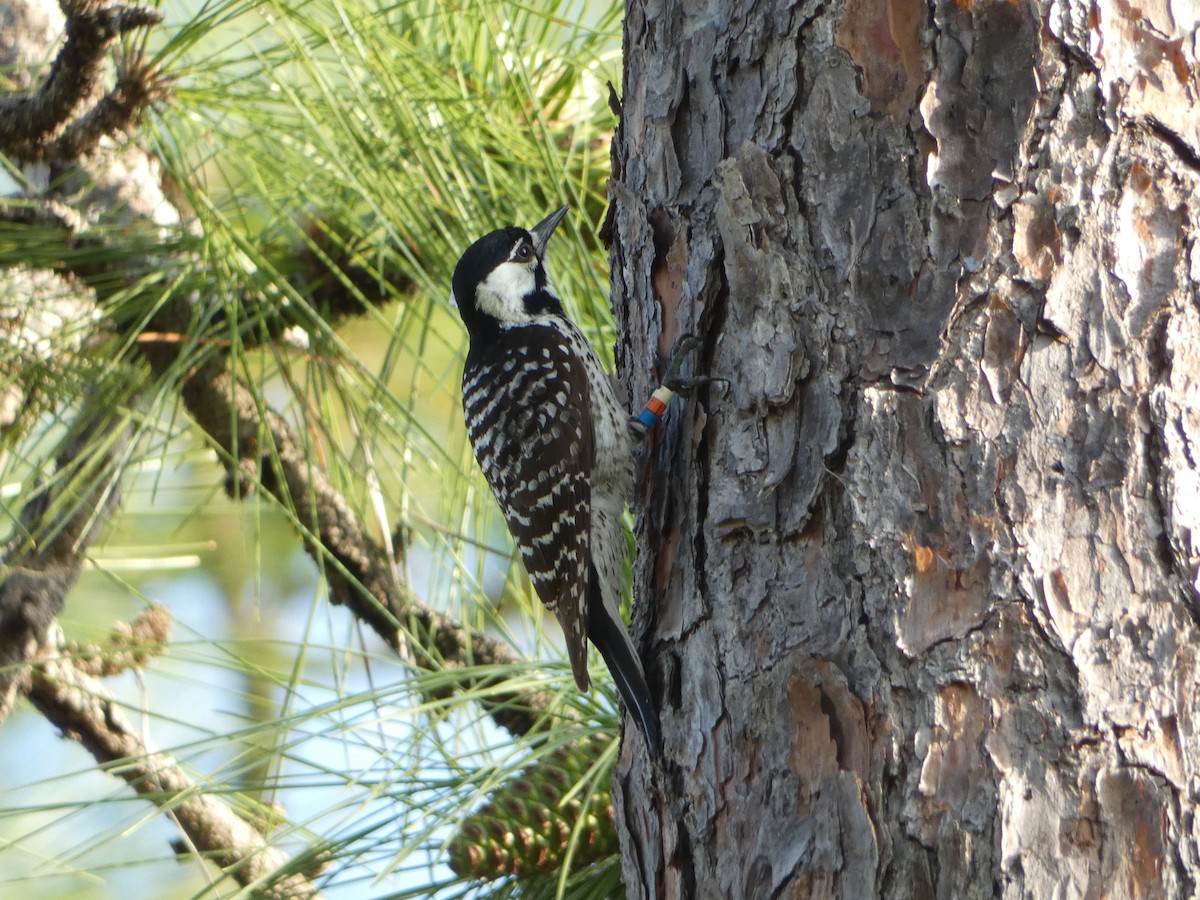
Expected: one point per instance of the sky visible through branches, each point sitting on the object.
(286, 117)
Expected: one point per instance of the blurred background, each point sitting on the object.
(327, 161)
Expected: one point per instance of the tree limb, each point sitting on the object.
(42, 562)
(29, 121)
(83, 709)
(39, 566)
(260, 447)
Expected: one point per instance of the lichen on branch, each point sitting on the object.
(64, 119)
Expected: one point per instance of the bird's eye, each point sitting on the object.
(524, 253)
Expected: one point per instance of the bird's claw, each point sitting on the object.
(684, 384)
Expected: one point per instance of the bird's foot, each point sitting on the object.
(685, 384)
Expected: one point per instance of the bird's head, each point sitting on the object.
(501, 281)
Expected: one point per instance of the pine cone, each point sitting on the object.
(526, 827)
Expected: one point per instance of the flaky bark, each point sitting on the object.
(920, 587)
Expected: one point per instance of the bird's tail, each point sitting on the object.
(608, 633)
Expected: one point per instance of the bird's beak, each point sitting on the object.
(542, 230)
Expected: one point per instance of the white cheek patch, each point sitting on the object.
(502, 294)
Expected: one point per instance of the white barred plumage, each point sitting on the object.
(554, 445)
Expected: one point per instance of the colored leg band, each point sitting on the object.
(655, 407)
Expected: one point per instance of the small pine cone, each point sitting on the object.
(525, 828)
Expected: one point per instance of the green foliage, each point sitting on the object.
(330, 160)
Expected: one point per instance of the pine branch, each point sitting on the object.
(260, 448)
(129, 646)
(83, 709)
(138, 85)
(39, 566)
(43, 560)
(28, 122)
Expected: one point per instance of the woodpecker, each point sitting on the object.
(555, 446)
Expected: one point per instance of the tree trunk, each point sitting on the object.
(919, 587)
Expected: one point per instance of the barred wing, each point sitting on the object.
(526, 401)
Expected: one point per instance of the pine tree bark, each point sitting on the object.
(919, 588)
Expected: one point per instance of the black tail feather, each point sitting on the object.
(613, 643)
